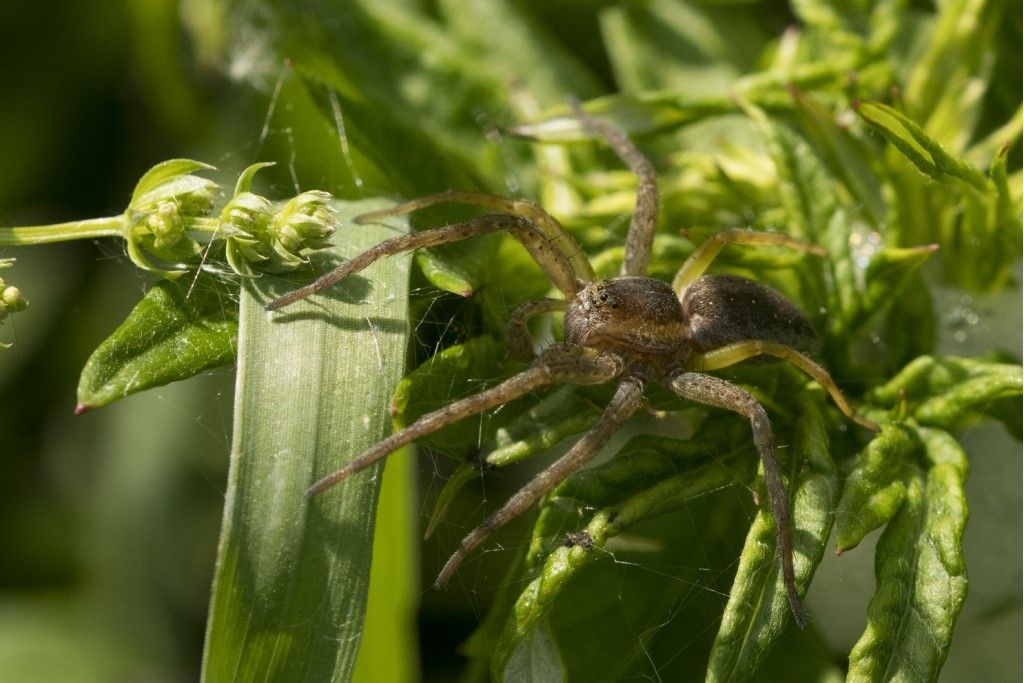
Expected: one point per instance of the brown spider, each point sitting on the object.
(631, 328)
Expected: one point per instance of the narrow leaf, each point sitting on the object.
(179, 329)
(924, 152)
(648, 477)
(312, 391)
(843, 154)
(563, 413)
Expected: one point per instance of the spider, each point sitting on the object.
(631, 329)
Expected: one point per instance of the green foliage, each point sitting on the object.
(293, 573)
(179, 329)
(882, 132)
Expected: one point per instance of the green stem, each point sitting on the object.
(63, 232)
(93, 228)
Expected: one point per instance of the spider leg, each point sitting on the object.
(703, 255)
(517, 336)
(623, 404)
(715, 391)
(741, 351)
(645, 213)
(559, 365)
(551, 260)
(544, 221)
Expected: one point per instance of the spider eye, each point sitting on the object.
(602, 296)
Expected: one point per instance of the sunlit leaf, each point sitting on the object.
(920, 571)
(312, 391)
(179, 329)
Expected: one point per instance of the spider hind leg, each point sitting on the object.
(624, 403)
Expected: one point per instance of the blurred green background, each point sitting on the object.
(108, 522)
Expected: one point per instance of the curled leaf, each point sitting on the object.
(919, 567)
(874, 489)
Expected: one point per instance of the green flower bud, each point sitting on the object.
(260, 239)
(12, 299)
(305, 222)
(165, 204)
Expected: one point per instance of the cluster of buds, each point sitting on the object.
(261, 235)
(171, 224)
(169, 217)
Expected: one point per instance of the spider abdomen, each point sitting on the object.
(638, 314)
(722, 309)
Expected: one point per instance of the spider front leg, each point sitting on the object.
(717, 392)
(559, 365)
(551, 260)
(544, 221)
(741, 351)
(702, 256)
(645, 212)
(623, 404)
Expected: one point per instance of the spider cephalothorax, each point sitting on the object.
(632, 315)
(632, 329)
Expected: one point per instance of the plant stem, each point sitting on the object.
(63, 232)
(112, 226)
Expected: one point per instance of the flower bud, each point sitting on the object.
(158, 216)
(12, 299)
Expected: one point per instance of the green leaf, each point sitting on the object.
(179, 329)
(312, 390)
(758, 608)
(924, 152)
(888, 273)
(844, 155)
(672, 46)
(649, 477)
(952, 392)
(565, 412)
(244, 183)
(162, 172)
(387, 647)
(875, 487)
(463, 369)
(527, 54)
(536, 659)
(920, 571)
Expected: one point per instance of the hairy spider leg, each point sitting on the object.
(714, 391)
(623, 404)
(703, 255)
(645, 212)
(744, 350)
(544, 221)
(552, 261)
(559, 365)
(517, 336)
